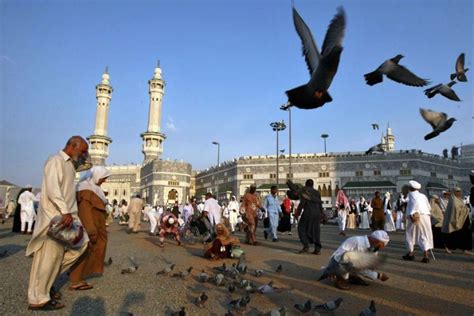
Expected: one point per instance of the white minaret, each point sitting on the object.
(99, 142)
(153, 138)
(390, 139)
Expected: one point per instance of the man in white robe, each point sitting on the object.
(387, 208)
(418, 230)
(213, 209)
(233, 213)
(58, 197)
(27, 214)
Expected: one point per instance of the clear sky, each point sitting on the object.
(226, 65)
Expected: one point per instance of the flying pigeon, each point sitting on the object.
(242, 265)
(396, 72)
(267, 288)
(203, 277)
(279, 268)
(108, 262)
(322, 66)
(375, 126)
(241, 302)
(181, 312)
(298, 191)
(352, 262)
(329, 306)
(183, 274)
(438, 121)
(258, 273)
(376, 148)
(460, 73)
(201, 300)
(166, 270)
(443, 89)
(304, 308)
(132, 268)
(369, 311)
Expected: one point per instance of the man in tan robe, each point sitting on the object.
(251, 202)
(58, 197)
(134, 211)
(378, 214)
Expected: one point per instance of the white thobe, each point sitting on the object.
(420, 233)
(27, 215)
(152, 217)
(342, 218)
(233, 214)
(389, 224)
(214, 210)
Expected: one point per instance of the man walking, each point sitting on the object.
(134, 211)
(272, 206)
(310, 221)
(250, 203)
(418, 230)
(27, 214)
(58, 197)
(378, 215)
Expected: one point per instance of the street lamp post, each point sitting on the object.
(324, 136)
(218, 162)
(288, 108)
(277, 127)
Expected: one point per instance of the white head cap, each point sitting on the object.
(415, 185)
(28, 186)
(387, 195)
(381, 235)
(171, 220)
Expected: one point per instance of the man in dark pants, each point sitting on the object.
(309, 221)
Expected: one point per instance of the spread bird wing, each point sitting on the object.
(360, 260)
(450, 94)
(433, 118)
(309, 48)
(404, 76)
(433, 88)
(335, 32)
(460, 63)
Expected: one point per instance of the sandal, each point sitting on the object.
(55, 295)
(49, 306)
(81, 286)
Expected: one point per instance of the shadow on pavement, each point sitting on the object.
(88, 306)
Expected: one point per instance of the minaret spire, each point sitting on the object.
(99, 141)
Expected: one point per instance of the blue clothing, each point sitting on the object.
(273, 208)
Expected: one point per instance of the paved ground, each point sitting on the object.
(445, 286)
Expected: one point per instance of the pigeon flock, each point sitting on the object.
(323, 65)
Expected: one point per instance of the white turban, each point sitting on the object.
(381, 235)
(415, 185)
(171, 220)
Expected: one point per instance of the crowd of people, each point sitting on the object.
(435, 222)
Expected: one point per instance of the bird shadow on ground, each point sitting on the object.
(132, 298)
(88, 306)
(9, 250)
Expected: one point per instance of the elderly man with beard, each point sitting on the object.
(58, 197)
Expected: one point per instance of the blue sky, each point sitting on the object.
(226, 65)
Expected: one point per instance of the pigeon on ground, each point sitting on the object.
(166, 270)
(329, 306)
(229, 313)
(219, 279)
(375, 126)
(396, 72)
(183, 274)
(249, 288)
(241, 302)
(201, 300)
(108, 262)
(279, 268)
(352, 262)
(278, 312)
(231, 288)
(374, 149)
(267, 288)
(322, 66)
(132, 268)
(369, 311)
(258, 273)
(203, 277)
(443, 89)
(304, 308)
(242, 265)
(460, 73)
(438, 120)
(221, 269)
(4, 253)
(181, 312)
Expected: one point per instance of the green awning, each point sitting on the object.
(369, 184)
(434, 185)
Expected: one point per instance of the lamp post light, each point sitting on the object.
(277, 127)
(324, 136)
(288, 108)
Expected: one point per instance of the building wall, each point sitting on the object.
(123, 182)
(334, 170)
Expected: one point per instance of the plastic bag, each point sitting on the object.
(68, 236)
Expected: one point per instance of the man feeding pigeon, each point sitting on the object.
(353, 259)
